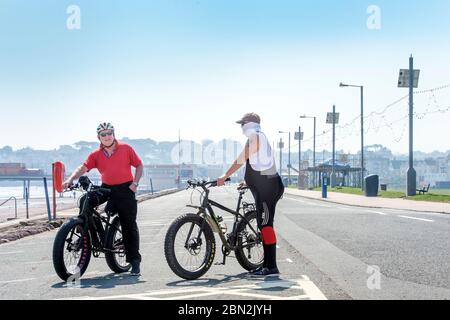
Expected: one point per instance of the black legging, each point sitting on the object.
(123, 201)
(267, 190)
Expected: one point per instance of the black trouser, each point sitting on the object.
(123, 201)
(266, 190)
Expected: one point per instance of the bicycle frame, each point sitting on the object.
(96, 224)
(207, 208)
(100, 226)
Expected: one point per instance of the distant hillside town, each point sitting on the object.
(169, 164)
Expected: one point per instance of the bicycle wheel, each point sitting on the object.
(116, 258)
(249, 251)
(71, 250)
(190, 246)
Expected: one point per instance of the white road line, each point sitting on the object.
(18, 280)
(311, 203)
(12, 252)
(311, 290)
(148, 293)
(196, 295)
(427, 220)
(242, 293)
(298, 200)
(308, 290)
(378, 212)
(301, 297)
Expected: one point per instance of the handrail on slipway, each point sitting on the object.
(15, 203)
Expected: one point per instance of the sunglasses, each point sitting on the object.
(104, 134)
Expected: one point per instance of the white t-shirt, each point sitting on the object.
(264, 159)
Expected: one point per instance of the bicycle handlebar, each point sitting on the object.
(203, 183)
(94, 188)
(243, 188)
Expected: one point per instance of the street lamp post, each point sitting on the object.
(333, 118)
(289, 157)
(299, 156)
(281, 145)
(409, 78)
(314, 148)
(342, 85)
(299, 136)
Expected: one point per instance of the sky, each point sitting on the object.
(155, 68)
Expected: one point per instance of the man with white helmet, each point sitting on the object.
(114, 159)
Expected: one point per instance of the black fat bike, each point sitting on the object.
(190, 244)
(91, 233)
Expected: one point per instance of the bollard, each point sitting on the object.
(47, 200)
(26, 203)
(324, 186)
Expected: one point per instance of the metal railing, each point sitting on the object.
(15, 204)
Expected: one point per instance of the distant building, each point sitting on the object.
(167, 176)
(18, 169)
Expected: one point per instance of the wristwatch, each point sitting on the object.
(136, 184)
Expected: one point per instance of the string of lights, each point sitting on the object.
(378, 120)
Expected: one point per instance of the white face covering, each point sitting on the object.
(250, 128)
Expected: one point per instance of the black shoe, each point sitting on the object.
(266, 272)
(135, 269)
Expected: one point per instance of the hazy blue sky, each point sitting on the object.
(155, 67)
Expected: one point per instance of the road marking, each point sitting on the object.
(12, 252)
(289, 260)
(378, 212)
(311, 203)
(298, 200)
(304, 289)
(427, 220)
(18, 280)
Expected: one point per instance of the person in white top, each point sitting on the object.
(264, 182)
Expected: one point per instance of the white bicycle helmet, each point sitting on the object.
(104, 126)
